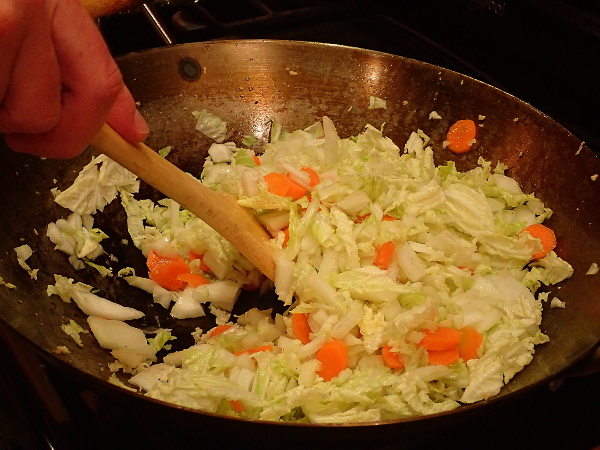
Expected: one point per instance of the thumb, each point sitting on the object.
(126, 119)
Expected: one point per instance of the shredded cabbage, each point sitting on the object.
(458, 260)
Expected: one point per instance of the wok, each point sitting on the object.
(247, 83)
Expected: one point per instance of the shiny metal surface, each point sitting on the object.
(247, 83)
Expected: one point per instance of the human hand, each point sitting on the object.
(58, 81)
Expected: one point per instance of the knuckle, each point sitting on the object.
(111, 84)
(10, 18)
(26, 121)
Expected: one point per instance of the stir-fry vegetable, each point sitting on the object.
(411, 289)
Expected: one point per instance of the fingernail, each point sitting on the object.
(140, 123)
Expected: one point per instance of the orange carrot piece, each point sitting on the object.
(153, 260)
(443, 357)
(286, 236)
(295, 190)
(461, 136)
(261, 348)
(256, 160)
(218, 330)
(301, 328)
(469, 343)
(194, 256)
(237, 405)
(193, 279)
(441, 339)
(313, 176)
(333, 357)
(277, 183)
(165, 270)
(392, 359)
(388, 218)
(384, 255)
(545, 235)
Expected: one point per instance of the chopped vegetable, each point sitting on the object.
(301, 327)
(333, 357)
(442, 338)
(461, 136)
(194, 256)
(286, 236)
(262, 348)
(192, 279)
(218, 330)
(165, 270)
(392, 359)
(314, 177)
(384, 255)
(444, 357)
(282, 185)
(469, 344)
(74, 330)
(212, 126)
(410, 290)
(545, 235)
(237, 405)
(295, 190)
(277, 183)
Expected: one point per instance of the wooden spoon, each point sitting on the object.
(220, 211)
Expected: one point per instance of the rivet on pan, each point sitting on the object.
(190, 69)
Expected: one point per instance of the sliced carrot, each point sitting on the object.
(193, 279)
(261, 348)
(461, 136)
(153, 260)
(165, 270)
(545, 235)
(194, 256)
(282, 185)
(469, 343)
(286, 236)
(218, 330)
(392, 359)
(313, 176)
(440, 339)
(237, 405)
(443, 357)
(333, 357)
(277, 183)
(256, 160)
(388, 218)
(384, 255)
(295, 190)
(301, 328)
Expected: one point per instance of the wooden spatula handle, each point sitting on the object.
(220, 211)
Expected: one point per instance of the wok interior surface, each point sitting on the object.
(247, 83)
